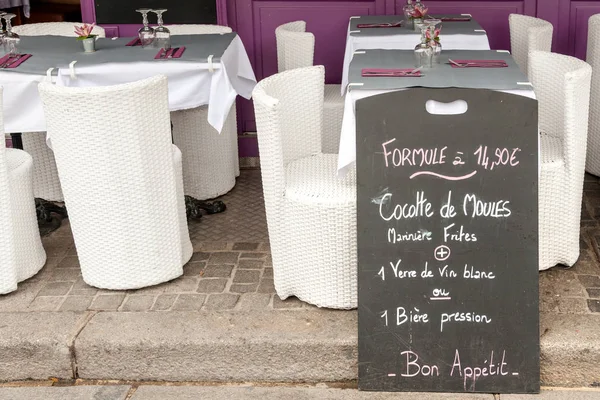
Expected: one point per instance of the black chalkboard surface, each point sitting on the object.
(448, 243)
(178, 11)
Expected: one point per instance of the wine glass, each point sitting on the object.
(145, 33)
(2, 31)
(11, 39)
(423, 51)
(162, 34)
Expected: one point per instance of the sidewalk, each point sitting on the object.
(250, 392)
(223, 322)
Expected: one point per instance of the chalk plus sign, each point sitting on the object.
(441, 253)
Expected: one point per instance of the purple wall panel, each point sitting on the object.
(580, 13)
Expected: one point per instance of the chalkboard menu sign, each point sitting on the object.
(178, 11)
(448, 242)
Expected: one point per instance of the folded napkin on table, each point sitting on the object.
(135, 42)
(16, 60)
(478, 63)
(455, 19)
(381, 25)
(174, 52)
(390, 72)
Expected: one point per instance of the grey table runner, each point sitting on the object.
(441, 75)
(448, 28)
(59, 51)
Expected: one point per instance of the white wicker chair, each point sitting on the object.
(45, 176)
(562, 87)
(125, 197)
(295, 49)
(210, 160)
(592, 164)
(21, 252)
(528, 34)
(54, 28)
(311, 213)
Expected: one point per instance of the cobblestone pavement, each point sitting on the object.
(232, 269)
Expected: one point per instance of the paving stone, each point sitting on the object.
(589, 281)
(72, 251)
(594, 305)
(265, 247)
(66, 393)
(268, 273)
(573, 394)
(222, 301)
(217, 271)
(246, 246)
(594, 293)
(250, 264)
(199, 256)
(290, 302)
(558, 281)
(587, 264)
(572, 305)
(189, 302)
(266, 286)
(56, 246)
(83, 292)
(211, 285)
(214, 246)
(46, 303)
(69, 262)
(137, 303)
(224, 257)
(182, 285)
(65, 274)
(246, 276)
(249, 392)
(254, 301)
(254, 255)
(107, 302)
(269, 260)
(194, 268)
(55, 289)
(164, 302)
(243, 287)
(19, 300)
(153, 290)
(76, 303)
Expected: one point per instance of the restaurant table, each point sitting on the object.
(508, 79)
(5, 4)
(455, 35)
(212, 71)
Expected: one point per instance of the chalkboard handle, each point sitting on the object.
(452, 108)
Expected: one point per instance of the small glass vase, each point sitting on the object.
(89, 45)
(437, 50)
(423, 55)
(408, 10)
(417, 24)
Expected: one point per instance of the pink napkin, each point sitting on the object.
(479, 64)
(390, 72)
(455, 19)
(16, 62)
(174, 52)
(135, 42)
(381, 25)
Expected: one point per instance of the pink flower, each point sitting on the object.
(419, 12)
(84, 31)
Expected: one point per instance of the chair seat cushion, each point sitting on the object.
(333, 97)
(314, 180)
(16, 159)
(551, 151)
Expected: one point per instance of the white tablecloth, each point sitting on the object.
(477, 41)
(347, 151)
(191, 84)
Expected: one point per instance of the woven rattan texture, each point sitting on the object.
(54, 28)
(562, 86)
(21, 251)
(593, 58)
(210, 160)
(125, 197)
(311, 214)
(528, 34)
